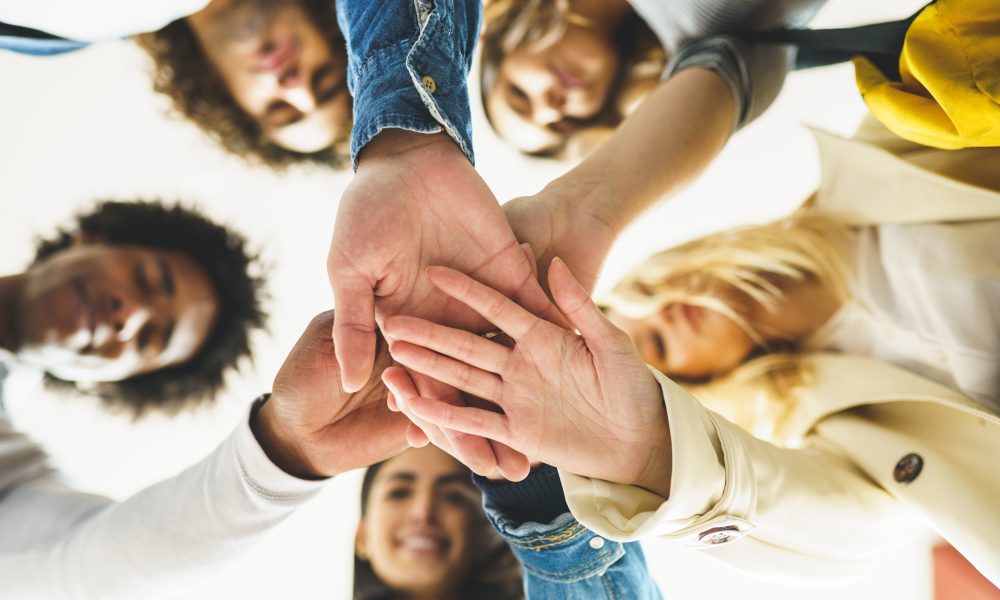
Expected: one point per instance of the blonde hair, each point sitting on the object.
(759, 396)
(757, 261)
(511, 24)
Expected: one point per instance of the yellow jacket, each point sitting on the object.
(878, 446)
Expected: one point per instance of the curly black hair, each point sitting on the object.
(183, 73)
(233, 270)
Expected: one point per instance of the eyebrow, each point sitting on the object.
(410, 477)
(167, 277)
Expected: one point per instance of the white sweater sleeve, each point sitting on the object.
(56, 542)
(96, 20)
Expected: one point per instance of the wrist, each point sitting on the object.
(392, 144)
(586, 197)
(279, 446)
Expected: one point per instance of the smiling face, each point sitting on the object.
(279, 68)
(101, 313)
(417, 525)
(541, 94)
(686, 340)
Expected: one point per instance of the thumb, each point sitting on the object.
(354, 332)
(574, 302)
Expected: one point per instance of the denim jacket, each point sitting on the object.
(561, 558)
(408, 62)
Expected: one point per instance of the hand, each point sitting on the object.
(311, 428)
(584, 403)
(484, 457)
(555, 222)
(415, 201)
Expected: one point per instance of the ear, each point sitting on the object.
(360, 545)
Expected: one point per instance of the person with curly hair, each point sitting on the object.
(266, 79)
(145, 304)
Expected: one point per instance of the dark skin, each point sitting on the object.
(311, 428)
(100, 313)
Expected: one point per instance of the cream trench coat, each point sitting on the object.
(878, 447)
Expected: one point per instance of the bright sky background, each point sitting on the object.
(86, 126)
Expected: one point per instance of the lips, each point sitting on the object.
(567, 79)
(279, 57)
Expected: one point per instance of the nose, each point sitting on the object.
(295, 89)
(422, 509)
(128, 316)
(549, 106)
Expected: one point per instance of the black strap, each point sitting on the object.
(881, 43)
(6, 29)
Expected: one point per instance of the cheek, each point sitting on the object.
(729, 343)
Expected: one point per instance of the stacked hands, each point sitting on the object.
(423, 252)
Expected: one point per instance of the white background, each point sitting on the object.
(86, 126)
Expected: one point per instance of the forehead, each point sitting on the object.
(427, 464)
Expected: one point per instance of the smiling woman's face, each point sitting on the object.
(279, 68)
(542, 93)
(416, 528)
(101, 313)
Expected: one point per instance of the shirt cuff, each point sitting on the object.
(704, 492)
(417, 85)
(537, 499)
(722, 55)
(262, 475)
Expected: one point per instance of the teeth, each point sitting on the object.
(421, 543)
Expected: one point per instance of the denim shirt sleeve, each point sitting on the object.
(563, 559)
(408, 64)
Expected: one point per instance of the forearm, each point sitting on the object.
(657, 150)
(162, 539)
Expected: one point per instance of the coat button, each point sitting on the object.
(596, 543)
(720, 535)
(908, 468)
(429, 83)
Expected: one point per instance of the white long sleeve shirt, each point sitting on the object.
(96, 20)
(57, 542)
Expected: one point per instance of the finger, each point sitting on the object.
(574, 301)
(390, 402)
(465, 346)
(472, 451)
(448, 370)
(513, 465)
(469, 420)
(416, 437)
(489, 303)
(401, 386)
(354, 331)
(530, 255)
